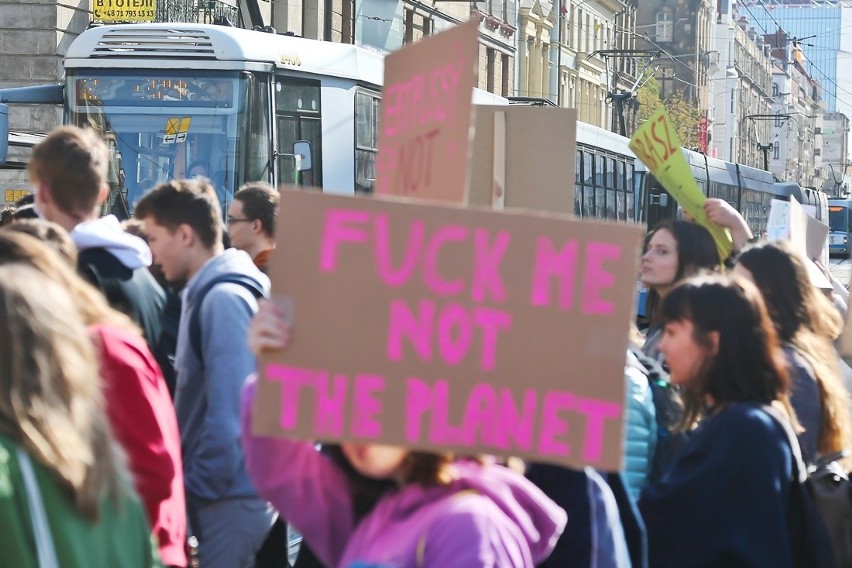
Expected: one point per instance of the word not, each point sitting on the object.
(452, 329)
(494, 417)
(423, 99)
(414, 162)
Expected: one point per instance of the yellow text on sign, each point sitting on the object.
(124, 10)
(16, 194)
(658, 146)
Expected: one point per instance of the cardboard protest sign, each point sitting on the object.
(424, 128)
(537, 171)
(658, 146)
(816, 240)
(444, 328)
(788, 221)
(778, 223)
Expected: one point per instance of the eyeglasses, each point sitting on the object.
(232, 220)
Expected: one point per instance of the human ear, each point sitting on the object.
(713, 343)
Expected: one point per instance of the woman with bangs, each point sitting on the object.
(726, 499)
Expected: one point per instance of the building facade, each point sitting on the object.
(739, 99)
(835, 151)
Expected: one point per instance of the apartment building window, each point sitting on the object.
(490, 56)
(775, 89)
(665, 26)
(505, 76)
(417, 26)
(776, 152)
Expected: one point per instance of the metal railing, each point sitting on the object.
(196, 11)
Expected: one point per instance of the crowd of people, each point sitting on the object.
(128, 371)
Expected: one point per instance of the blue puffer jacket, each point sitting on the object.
(641, 427)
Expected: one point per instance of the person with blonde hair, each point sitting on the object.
(138, 404)
(64, 493)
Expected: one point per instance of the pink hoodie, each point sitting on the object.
(489, 516)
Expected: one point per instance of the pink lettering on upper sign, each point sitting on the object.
(424, 98)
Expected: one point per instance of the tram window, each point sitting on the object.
(619, 175)
(578, 175)
(609, 164)
(630, 207)
(599, 170)
(578, 185)
(588, 185)
(298, 108)
(611, 205)
(259, 141)
(366, 140)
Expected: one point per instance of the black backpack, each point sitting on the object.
(668, 409)
(810, 515)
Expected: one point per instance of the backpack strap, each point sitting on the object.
(195, 317)
(801, 472)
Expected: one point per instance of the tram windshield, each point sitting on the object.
(166, 124)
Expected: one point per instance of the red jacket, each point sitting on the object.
(143, 420)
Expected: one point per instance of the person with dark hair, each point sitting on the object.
(807, 324)
(726, 499)
(183, 223)
(441, 511)
(673, 251)
(251, 221)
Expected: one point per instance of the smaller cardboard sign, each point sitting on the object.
(124, 10)
(537, 172)
(658, 146)
(788, 221)
(450, 329)
(424, 128)
(778, 223)
(816, 237)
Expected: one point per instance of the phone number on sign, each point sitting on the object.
(118, 14)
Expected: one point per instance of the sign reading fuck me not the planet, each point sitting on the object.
(445, 328)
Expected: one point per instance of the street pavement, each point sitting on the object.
(841, 269)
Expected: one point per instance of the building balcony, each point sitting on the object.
(196, 11)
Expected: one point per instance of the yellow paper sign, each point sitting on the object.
(658, 146)
(124, 10)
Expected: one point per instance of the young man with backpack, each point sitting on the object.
(183, 223)
(69, 171)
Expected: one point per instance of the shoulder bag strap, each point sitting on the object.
(45, 551)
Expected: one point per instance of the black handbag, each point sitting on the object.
(831, 490)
